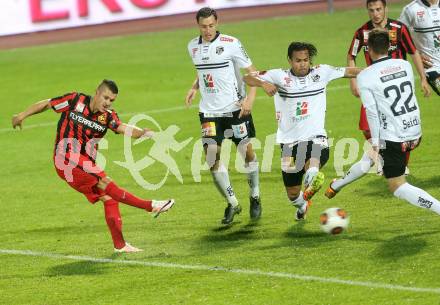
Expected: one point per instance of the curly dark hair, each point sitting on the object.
(301, 46)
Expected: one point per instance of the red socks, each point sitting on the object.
(407, 157)
(123, 196)
(114, 222)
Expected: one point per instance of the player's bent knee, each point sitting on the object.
(103, 182)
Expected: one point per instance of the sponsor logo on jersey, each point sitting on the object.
(287, 81)
(227, 39)
(77, 118)
(207, 79)
(301, 108)
(194, 51)
(80, 107)
(102, 118)
(395, 25)
(425, 203)
(393, 36)
(219, 50)
(420, 16)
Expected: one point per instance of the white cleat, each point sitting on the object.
(128, 249)
(161, 206)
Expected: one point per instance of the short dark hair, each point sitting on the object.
(206, 12)
(384, 2)
(379, 41)
(111, 85)
(301, 46)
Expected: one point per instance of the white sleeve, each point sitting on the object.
(239, 55)
(405, 18)
(332, 73)
(269, 76)
(369, 103)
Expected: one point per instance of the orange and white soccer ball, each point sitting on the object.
(334, 220)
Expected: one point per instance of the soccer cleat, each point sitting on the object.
(331, 192)
(314, 186)
(255, 207)
(161, 206)
(128, 249)
(230, 212)
(302, 215)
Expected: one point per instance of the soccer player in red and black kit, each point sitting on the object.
(84, 121)
(401, 44)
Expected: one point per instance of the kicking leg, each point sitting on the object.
(414, 195)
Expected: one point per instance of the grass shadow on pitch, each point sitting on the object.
(402, 246)
(430, 183)
(234, 235)
(78, 268)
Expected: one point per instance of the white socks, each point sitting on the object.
(417, 197)
(253, 178)
(221, 180)
(355, 172)
(299, 202)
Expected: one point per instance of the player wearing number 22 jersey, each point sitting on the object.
(387, 92)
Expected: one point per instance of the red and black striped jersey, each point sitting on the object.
(401, 42)
(79, 128)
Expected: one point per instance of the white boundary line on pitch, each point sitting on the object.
(222, 269)
(163, 110)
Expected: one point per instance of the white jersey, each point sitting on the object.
(424, 21)
(388, 94)
(218, 65)
(300, 103)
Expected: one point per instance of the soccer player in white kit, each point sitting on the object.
(423, 18)
(387, 92)
(224, 110)
(300, 105)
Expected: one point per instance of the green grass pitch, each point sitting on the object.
(389, 243)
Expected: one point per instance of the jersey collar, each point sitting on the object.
(293, 73)
(216, 36)
(381, 59)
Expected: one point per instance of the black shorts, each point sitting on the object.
(226, 126)
(394, 156)
(298, 154)
(433, 78)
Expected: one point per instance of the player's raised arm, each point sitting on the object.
(192, 92)
(252, 79)
(17, 119)
(134, 131)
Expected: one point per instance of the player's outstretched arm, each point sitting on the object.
(17, 119)
(134, 131)
(248, 103)
(353, 84)
(417, 59)
(352, 72)
(252, 79)
(192, 93)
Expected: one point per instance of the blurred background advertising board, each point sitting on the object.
(26, 16)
